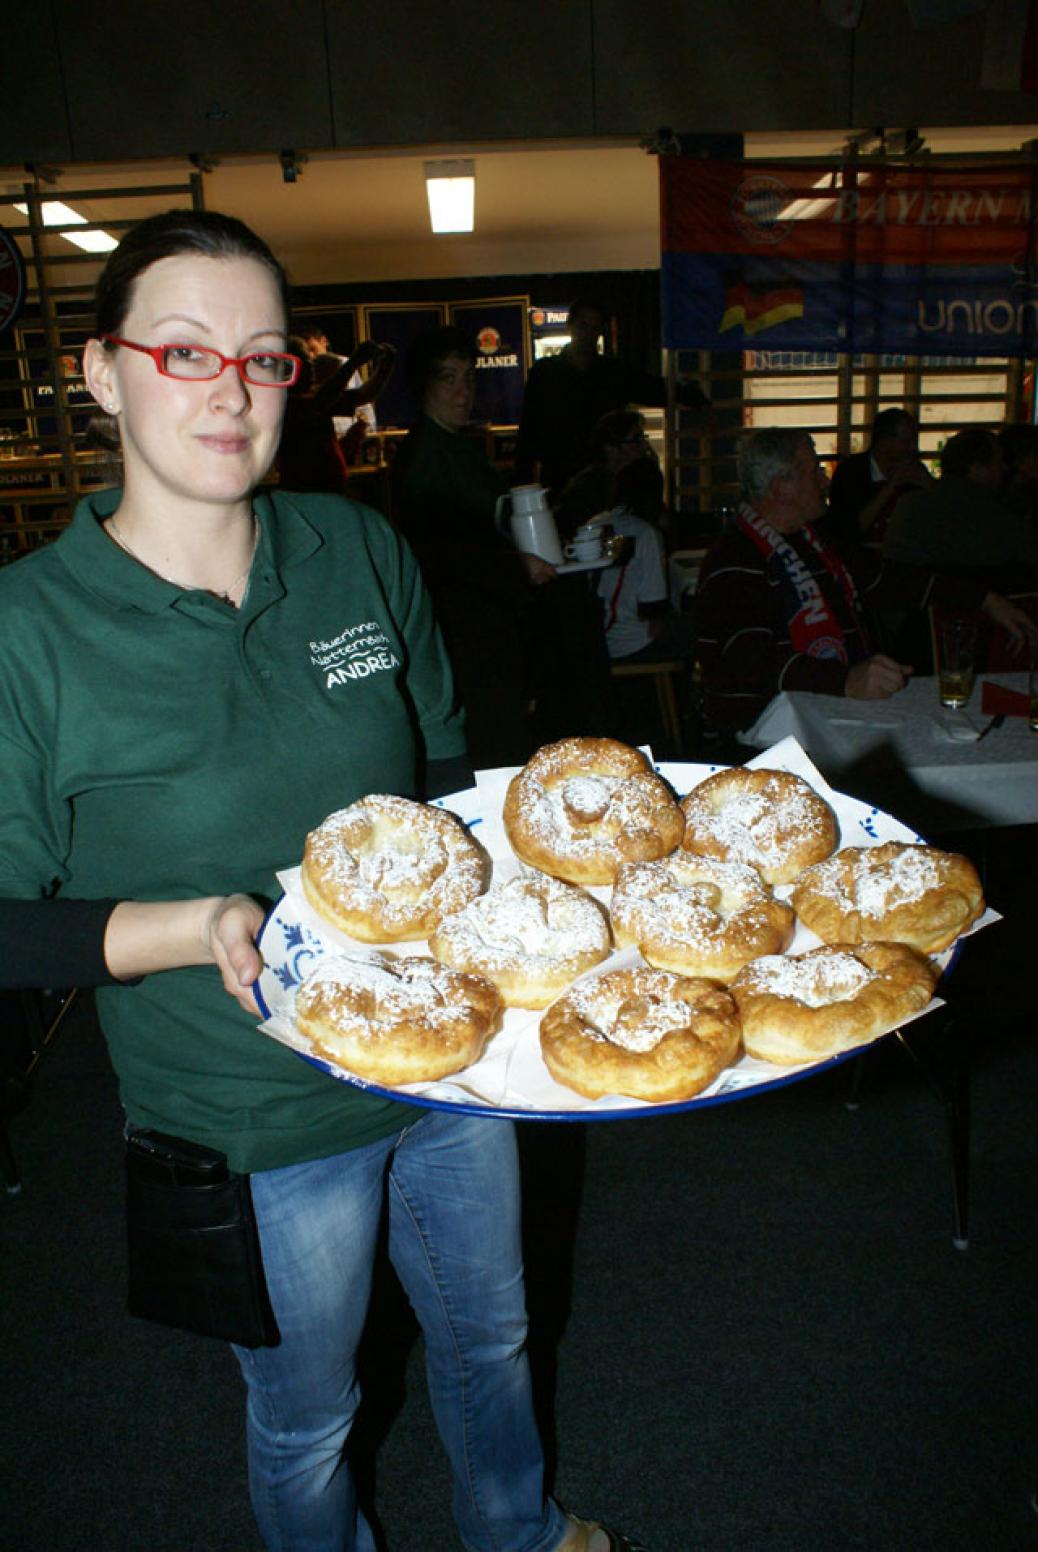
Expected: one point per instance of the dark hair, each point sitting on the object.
(964, 449)
(428, 349)
(1017, 443)
(307, 330)
(587, 304)
(888, 423)
(612, 429)
(204, 232)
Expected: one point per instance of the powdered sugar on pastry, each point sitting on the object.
(908, 894)
(636, 1023)
(396, 1021)
(641, 1032)
(386, 868)
(530, 935)
(814, 982)
(697, 915)
(814, 1005)
(772, 820)
(582, 806)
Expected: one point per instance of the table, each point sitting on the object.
(912, 757)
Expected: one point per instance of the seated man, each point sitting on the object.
(776, 607)
(868, 486)
(962, 524)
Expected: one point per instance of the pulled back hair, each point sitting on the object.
(765, 455)
(202, 232)
(428, 349)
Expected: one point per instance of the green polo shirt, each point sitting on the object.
(158, 744)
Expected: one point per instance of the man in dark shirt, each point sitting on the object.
(868, 486)
(776, 607)
(566, 395)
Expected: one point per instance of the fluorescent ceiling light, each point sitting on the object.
(93, 240)
(451, 187)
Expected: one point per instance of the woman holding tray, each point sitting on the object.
(197, 674)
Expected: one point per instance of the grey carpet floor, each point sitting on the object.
(751, 1330)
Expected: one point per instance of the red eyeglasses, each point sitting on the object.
(263, 368)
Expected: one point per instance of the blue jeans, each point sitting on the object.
(449, 1184)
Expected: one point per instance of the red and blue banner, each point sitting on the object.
(859, 258)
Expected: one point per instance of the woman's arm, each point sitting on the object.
(144, 936)
(99, 942)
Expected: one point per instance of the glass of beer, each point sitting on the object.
(956, 659)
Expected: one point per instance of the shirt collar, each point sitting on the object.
(103, 568)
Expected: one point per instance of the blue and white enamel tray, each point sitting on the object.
(511, 1079)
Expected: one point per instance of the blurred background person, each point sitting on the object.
(567, 394)
(445, 496)
(867, 486)
(312, 455)
(356, 418)
(618, 439)
(1019, 484)
(960, 524)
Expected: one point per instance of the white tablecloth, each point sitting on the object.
(911, 756)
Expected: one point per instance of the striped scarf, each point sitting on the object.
(815, 624)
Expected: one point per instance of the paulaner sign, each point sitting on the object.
(807, 256)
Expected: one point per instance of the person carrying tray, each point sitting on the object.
(198, 673)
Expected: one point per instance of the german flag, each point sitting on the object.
(755, 308)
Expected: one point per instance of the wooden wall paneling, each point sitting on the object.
(33, 123)
(413, 72)
(159, 79)
(721, 65)
(905, 76)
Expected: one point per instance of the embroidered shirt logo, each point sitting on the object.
(356, 653)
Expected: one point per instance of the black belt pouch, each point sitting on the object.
(194, 1252)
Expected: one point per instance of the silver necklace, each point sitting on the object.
(224, 597)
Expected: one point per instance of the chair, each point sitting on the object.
(662, 674)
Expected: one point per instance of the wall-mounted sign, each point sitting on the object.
(12, 280)
(934, 260)
(496, 328)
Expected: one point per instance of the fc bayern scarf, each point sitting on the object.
(815, 626)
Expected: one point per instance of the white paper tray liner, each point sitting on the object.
(511, 1073)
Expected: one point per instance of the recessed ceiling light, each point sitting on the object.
(451, 189)
(93, 240)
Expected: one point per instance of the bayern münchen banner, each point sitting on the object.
(860, 258)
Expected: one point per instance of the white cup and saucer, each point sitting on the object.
(586, 544)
